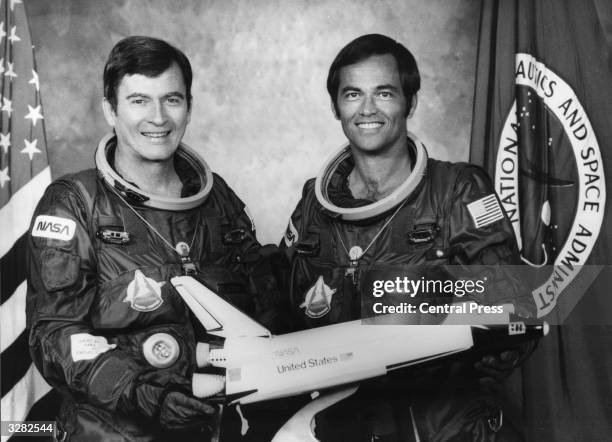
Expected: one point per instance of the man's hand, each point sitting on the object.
(180, 411)
(173, 406)
(498, 367)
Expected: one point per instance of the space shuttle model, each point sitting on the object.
(259, 366)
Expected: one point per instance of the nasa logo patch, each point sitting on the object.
(54, 227)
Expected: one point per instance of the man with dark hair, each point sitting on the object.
(107, 329)
(146, 56)
(375, 44)
(379, 210)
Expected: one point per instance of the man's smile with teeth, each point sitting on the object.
(369, 125)
(156, 134)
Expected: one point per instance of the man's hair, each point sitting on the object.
(145, 56)
(375, 44)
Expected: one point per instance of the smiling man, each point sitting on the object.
(381, 210)
(373, 109)
(107, 329)
(149, 115)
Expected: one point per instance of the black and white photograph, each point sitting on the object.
(306, 220)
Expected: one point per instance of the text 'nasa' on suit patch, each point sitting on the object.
(485, 211)
(54, 227)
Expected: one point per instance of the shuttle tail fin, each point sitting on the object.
(218, 316)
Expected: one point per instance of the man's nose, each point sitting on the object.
(368, 106)
(158, 114)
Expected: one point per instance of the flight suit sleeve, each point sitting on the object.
(291, 235)
(293, 239)
(62, 284)
(481, 246)
(479, 228)
(482, 240)
(264, 267)
(294, 229)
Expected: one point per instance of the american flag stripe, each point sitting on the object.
(489, 220)
(17, 402)
(12, 264)
(24, 175)
(490, 215)
(13, 312)
(15, 216)
(15, 362)
(490, 205)
(488, 200)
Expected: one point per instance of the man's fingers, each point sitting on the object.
(182, 411)
(511, 356)
(505, 361)
(489, 383)
(189, 406)
(193, 404)
(202, 407)
(488, 360)
(490, 371)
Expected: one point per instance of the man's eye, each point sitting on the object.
(174, 100)
(385, 95)
(351, 95)
(137, 101)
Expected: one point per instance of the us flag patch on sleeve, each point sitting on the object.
(485, 211)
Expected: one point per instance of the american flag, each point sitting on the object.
(24, 174)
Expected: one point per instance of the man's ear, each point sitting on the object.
(333, 108)
(109, 113)
(413, 105)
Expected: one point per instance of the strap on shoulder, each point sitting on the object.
(86, 185)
